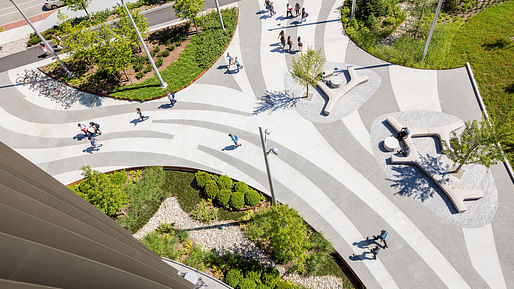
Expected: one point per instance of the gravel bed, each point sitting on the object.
(226, 238)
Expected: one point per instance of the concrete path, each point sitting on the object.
(328, 169)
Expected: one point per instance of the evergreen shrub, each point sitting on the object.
(237, 200)
(211, 189)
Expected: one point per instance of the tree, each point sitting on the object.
(188, 9)
(307, 68)
(124, 27)
(479, 143)
(76, 5)
(115, 55)
(77, 40)
(98, 189)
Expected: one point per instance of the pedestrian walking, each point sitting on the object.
(44, 48)
(382, 236)
(300, 44)
(83, 128)
(229, 59)
(95, 127)
(238, 65)
(281, 34)
(141, 116)
(289, 42)
(171, 98)
(235, 139)
(304, 15)
(297, 9)
(289, 10)
(271, 9)
(375, 251)
(94, 143)
(283, 42)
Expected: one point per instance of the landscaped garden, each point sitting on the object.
(108, 59)
(132, 197)
(478, 32)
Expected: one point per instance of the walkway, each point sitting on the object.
(331, 169)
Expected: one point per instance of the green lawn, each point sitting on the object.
(485, 41)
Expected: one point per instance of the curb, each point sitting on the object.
(23, 22)
(484, 110)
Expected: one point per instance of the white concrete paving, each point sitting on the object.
(355, 125)
(335, 43)
(241, 77)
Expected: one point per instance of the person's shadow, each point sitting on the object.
(135, 121)
(229, 148)
(167, 105)
(362, 256)
(79, 136)
(365, 243)
(90, 150)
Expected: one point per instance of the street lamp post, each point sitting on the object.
(431, 30)
(69, 73)
(266, 152)
(163, 84)
(219, 14)
(353, 9)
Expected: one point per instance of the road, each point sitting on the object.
(9, 13)
(155, 17)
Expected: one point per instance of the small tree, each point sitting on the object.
(76, 5)
(124, 26)
(478, 143)
(188, 9)
(114, 56)
(307, 68)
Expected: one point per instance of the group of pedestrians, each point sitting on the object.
(233, 61)
(297, 8)
(91, 133)
(377, 249)
(289, 42)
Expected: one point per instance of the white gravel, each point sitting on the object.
(229, 239)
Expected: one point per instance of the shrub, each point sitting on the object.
(196, 258)
(162, 245)
(224, 182)
(158, 63)
(270, 276)
(171, 47)
(156, 49)
(246, 283)
(201, 178)
(147, 69)
(211, 189)
(205, 211)
(140, 75)
(285, 285)
(241, 187)
(223, 197)
(254, 276)
(99, 190)
(233, 277)
(164, 53)
(262, 286)
(252, 198)
(119, 177)
(237, 200)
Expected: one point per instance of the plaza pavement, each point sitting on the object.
(327, 168)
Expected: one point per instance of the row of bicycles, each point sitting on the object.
(48, 87)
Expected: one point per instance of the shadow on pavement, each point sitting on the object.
(274, 100)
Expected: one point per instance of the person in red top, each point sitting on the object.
(83, 128)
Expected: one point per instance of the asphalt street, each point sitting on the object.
(155, 17)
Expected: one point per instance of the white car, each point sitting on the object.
(53, 4)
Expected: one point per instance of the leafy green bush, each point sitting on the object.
(252, 198)
(285, 285)
(246, 283)
(262, 286)
(201, 178)
(156, 49)
(145, 198)
(170, 47)
(237, 200)
(205, 212)
(163, 245)
(99, 190)
(158, 63)
(241, 187)
(140, 75)
(119, 177)
(164, 53)
(233, 277)
(211, 189)
(254, 275)
(270, 276)
(196, 258)
(223, 198)
(147, 69)
(224, 182)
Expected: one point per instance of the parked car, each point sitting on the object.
(54, 4)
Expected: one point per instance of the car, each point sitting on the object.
(53, 4)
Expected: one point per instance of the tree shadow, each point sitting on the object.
(499, 43)
(434, 165)
(411, 182)
(275, 100)
(509, 88)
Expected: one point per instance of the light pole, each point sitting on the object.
(431, 30)
(353, 9)
(266, 153)
(219, 14)
(69, 73)
(163, 84)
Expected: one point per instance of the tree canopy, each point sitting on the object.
(479, 143)
(188, 9)
(76, 5)
(307, 68)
